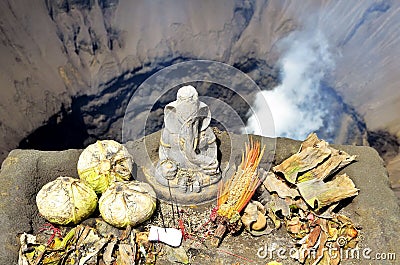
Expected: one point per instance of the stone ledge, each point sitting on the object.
(24, 172)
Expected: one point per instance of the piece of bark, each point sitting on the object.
(319, 194)
(337, 160)
(311, 140)
(273, 184)
(308, 158)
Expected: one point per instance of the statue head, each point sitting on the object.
(185, 109)
(187, 93)
(187, 102)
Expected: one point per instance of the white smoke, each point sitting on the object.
(296, 104)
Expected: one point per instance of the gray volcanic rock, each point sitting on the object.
(22, 175)
(54, 52)
(375, 209)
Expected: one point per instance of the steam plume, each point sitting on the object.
(297, 103)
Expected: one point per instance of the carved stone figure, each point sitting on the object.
(188, 149)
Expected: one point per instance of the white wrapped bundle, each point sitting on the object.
(127, 203)
(103, 163)
(66, 200)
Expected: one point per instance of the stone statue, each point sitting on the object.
(188, 148)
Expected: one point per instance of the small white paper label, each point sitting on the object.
(169, 236)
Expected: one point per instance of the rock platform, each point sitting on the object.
(375, 209)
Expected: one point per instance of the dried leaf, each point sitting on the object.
(313, 245)
(254, 219)
(144, 246)
(297, 228)
(332, 230)
(293, 225)
(176, 254)
(319, 194)
(63, 244)
(346, 230)
(108, 251)
(104, 229)
(250, 215)
(343, 219)
(126, 254)
(274, 219)
(332, 256)
(28, 255)
(142, 237)
(97, 246)
(315, 259)
(329, 212)
(81, 234)
(308, 170)
(91, 237)
(312, 237)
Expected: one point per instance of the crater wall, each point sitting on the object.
(69, 61)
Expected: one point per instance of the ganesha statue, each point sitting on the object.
(188, 148)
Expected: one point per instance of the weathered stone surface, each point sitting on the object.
(375, 209)
(22, 175)
(84, 54)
